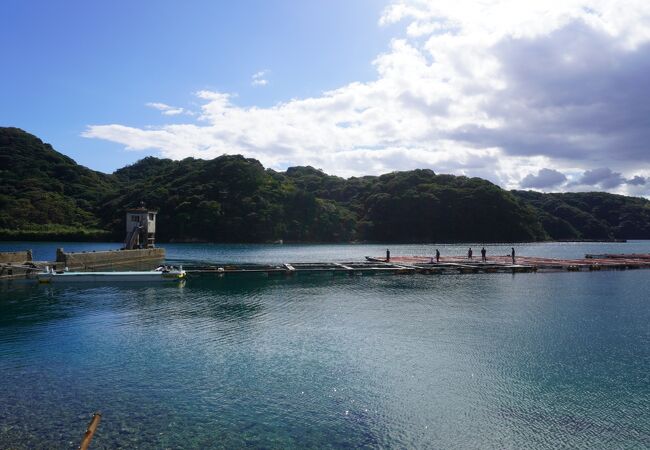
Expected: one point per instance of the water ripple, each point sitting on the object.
(532, 360)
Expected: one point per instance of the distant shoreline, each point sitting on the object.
(83, 235)
(106, 236)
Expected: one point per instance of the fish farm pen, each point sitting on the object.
(399, 265)
(428, 265)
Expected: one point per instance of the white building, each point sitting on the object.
(140, 228)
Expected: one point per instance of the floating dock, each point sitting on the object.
(22, 267)
(406, 265)
(369, 267)
(536, 263)
(630, 256)
(357, 267)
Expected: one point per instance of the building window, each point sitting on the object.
(150, 216)
(135, 218)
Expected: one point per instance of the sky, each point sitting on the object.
(544, 95)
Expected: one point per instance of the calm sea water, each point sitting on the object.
(556, 360)
(270, 253)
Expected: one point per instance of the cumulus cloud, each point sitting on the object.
(545, 178)
(573, 95)
(555, 90)
(607, 179)
(602, 177)
(259, 78)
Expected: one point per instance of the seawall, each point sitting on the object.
(16, 257)
(15, 264)
(105, 259)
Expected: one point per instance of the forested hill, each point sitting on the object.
(44, 194)
(590, 215)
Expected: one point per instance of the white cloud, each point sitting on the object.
(259, 78)
(168, 110)
(502, 89)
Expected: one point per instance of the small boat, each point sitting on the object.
(160, 274)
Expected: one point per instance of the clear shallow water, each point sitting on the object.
(458, 361)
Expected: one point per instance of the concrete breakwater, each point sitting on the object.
(15, 257)
(14, 265)
(106, 259)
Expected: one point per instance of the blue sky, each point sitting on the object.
(74, 63)
(546, 95)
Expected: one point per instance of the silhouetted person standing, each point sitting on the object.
(437, 255)
(513, 255)
(483, 252)
(469, 253)
(387, 255)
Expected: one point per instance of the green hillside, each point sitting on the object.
(590, 215)
(46, 195)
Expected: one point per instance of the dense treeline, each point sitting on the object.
(420, 206)
(590, 215)
(234, 199)
(228, 199)
(45, 193)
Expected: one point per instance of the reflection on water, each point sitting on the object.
(487, 360)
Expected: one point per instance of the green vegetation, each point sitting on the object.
(53, 232)
(590, 215)
(45, 195)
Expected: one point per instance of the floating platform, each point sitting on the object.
(102, 277)
(368, 267)
(630, 256)
(589, 263)
(406, 265)
(293, 268)
(401, 265)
